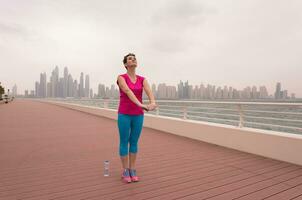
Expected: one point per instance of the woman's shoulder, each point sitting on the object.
(140, 77)
(123, 75)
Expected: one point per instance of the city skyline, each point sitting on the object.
(66, 86)
(95, 88)
(234, 43)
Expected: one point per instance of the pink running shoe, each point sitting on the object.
(126, 176)
(133, 175)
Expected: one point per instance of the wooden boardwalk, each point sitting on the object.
(50, 152)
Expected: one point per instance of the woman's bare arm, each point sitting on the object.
(148, 91)
(150, 95)
(124, 87)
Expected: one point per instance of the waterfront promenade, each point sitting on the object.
(50, 152)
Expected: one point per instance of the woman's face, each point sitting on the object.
(131, 61)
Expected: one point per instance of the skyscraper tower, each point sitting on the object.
(225, 92)
(65, 84)
(263, 92)
(186, 90)
(37, 86)
(76, 90)
(70, 86)
(101, 91)
(278, 91)
(53, 84)
(43, 85)
(57, 81)
(180, 90)
(54, 79)
(87, 86)
(254, 93)
(48, 90)
(81, 86)
(15, 90)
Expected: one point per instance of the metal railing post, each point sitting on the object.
(185, 111)
(241, 117)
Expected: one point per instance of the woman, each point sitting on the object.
(131, 115)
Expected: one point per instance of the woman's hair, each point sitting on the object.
(126, 56)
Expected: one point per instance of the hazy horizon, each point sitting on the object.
(235, 43)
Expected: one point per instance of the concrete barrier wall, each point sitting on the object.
(276, 145)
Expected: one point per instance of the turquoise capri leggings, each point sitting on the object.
(130, 128)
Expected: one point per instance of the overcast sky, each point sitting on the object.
(236, 43)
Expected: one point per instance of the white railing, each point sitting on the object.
(283, 117)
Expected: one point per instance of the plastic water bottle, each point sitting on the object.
(106, 168)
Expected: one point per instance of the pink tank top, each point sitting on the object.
(126, 106)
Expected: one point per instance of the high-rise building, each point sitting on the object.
(278, 91)
(263, 92)
(43, 85)
(171, 92)
(48, 91)
(254, 93)
(190, 92)
(166, 92)
(87, 86)
(236, 94)
(210, 92)
(57, 81)
(26, 93)
(180, 90)
(196, 92)
(81, 86)
(187, 91)
(37, 86)
(219, 93)
(70, 89)
(231, 94)
(101, 91)
(112, 91)
(54, 79)
(284, 94)
(14, 90)
(107, 92)
(225, 93)
(154, 90)
(246, 93)
(61, 87)
(32, 93)
(202, 91)
(65, 84)
(76, 91)
(162, 91)
(207, 93)
(213, 91)
(91, 93)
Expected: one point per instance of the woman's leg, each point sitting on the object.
(136, 129)
(132, 158)
(124, 122)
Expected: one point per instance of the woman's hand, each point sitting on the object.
(152, 106)
(144, 107)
